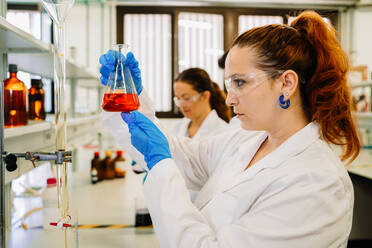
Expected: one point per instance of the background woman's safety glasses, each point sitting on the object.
(186, 100)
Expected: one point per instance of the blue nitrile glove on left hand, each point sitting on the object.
(108, 64)
(147, 138)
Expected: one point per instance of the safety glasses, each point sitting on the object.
(240, 83)
(186, 100)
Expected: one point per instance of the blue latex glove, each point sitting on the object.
(108, 65)
(147, 138)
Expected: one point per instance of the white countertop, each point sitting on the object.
(105, 203)
(362, 165)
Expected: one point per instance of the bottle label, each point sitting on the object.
(121, 165)
(94, 175)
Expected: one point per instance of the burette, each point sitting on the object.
(58, 10)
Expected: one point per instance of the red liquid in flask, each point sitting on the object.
(120, 102)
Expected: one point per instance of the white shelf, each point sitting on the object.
(35, 56)
(362, 84)
(40, 137)
(364, 119)
(13, 39)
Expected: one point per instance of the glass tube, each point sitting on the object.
(58, 10)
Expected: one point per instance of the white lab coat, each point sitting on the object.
(212, 125)
(300, 195)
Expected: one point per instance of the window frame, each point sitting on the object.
(230, 28)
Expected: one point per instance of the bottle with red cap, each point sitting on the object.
(50, 203)
(119, 164)
(95, 169)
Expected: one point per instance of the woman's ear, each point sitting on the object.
(206, 95)
(289, 84)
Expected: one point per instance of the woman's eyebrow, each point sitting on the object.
(235, 75)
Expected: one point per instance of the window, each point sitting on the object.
(200, 43)
(149, 35)
(247, 22)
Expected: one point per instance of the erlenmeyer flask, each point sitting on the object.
(121, 94)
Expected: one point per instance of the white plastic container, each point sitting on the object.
(50, 203)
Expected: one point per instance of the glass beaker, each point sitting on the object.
(120, 94)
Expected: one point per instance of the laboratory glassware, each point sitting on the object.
(15, 91)
(58, 11)
(142, 217)
(36, 110)
(94, 168)
(109, 170)
(119, 164)
(120, 94)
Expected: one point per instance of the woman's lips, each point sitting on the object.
(239, 115)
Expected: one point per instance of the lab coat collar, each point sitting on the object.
(294, 145)
(207, 125)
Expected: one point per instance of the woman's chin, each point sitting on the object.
(187, 114)
(248, 126)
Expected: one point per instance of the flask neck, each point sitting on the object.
(13, 74)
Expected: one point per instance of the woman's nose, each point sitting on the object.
(231, 99)
(182, 104)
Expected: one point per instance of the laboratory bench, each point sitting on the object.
(106, 203)
(360, 171)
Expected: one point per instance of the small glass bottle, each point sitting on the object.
(15, 94)
(36, 109)
(109, 167)
(120, 94)
(119, 164)
(94, 168)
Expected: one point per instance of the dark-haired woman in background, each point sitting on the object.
(202, 103)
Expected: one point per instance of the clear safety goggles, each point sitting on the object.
(240, 83)
(186, 100)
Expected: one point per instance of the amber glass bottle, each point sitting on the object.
(95, 166)
(36, 109)
(119, 163)
(15, 92)
(109, 172)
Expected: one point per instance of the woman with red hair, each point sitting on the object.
(276, 182)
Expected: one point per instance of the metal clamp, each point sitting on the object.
(58, 157)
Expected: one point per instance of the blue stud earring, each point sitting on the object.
(284, 104)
